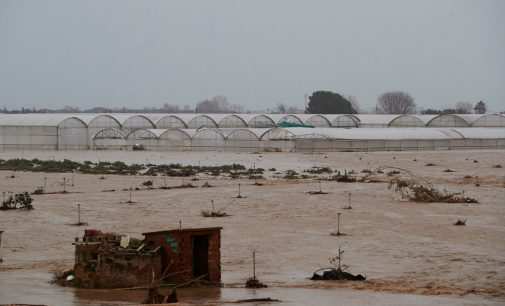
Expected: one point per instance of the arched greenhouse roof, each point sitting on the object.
(278, 118)
(186, 133)
(450, 120)
(490, 120)
(481, 133)
(369, 133)
(311, 119)
(146, 133)
(196, 117)
(220, 118)
(91, 118)
(125, 120)
(160, 118)
(199, 132)
(38, 119)
(253, 133)
(109, 133)
(250, 118)
(335, 119)
(376, 119)
(406, 121)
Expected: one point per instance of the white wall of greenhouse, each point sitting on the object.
(72, 134)
(176, 140)
(170, 122)
(407, 121)
(107, 131)
(343, 121)
(449, 120)
(261, 121)
(202, 121)
(490, 120)
(231, 121)
(246, 140)
(110, 139)
(42, 132)
(98, 123)
(318, 121)
(208, 140)
(134, 122)
(147, 138)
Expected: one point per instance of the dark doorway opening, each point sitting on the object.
(164, 261)
(201, 256)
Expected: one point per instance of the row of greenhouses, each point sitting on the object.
(301, 139)
(221, 131)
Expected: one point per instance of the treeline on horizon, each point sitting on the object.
(320, 102)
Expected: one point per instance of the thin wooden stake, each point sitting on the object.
(338, 224)
(254, 264)
(340, 258)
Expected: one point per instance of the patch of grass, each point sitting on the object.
(291, 175)
(319, 170)
(214, 214)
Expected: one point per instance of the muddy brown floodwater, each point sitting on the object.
(410, 252)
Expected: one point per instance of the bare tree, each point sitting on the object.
(217, 104)
(464, 107)
(280, 108)
(354, 103)
(294, 110)
(396, 102)
(480, 107)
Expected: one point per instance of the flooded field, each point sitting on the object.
(411, 253)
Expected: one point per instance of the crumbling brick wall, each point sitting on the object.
(101, 263)
(177, 252)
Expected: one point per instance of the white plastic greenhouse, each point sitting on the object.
(250, 132)
(43, 131)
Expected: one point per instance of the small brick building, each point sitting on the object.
(189, 253)
(107, 260)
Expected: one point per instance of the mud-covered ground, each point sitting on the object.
(411, 253)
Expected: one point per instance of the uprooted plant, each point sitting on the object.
(418, 189)
(213, 213)
(337, 271)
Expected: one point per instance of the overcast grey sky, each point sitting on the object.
(257, 53)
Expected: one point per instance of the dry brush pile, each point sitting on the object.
(421, 190)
